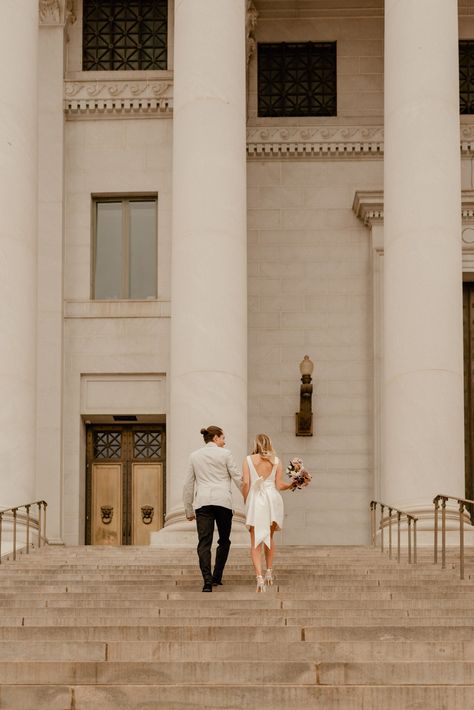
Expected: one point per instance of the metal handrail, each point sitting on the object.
(39, 523)
(462, 502)
(411, 519)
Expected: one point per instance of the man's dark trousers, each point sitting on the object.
(205, 518)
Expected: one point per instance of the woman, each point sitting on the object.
(262, 481)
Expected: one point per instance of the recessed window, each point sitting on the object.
(297, 79)
(125, 254)
(466, 76)
(124, 34)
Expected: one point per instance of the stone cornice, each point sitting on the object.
(369, 208)
(119, 96)
(315, 142)
(56, 12)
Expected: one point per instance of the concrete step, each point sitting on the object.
(248, 672)
(233, 697)
(217, 651)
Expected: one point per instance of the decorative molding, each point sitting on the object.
(368, 207)
(56, 12)
(116, 309)
(315, 142)
(117, 96)
(251, 17)
(467, 139)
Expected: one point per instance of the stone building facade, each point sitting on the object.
(170, 252)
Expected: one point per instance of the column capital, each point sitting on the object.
(251, 16)
(56, 12)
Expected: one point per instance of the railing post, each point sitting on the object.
(382, 507)
(436, 506)
(399, 515)
(14, 510)
(373, 506)
(443, 533)
(45, 505)
(39, 524)
(461, 539)
(27, 529)
(414, 541)
(390, 533)
(409, 538)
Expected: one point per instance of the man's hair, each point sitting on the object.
(211, 432)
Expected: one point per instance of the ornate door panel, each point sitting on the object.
(124, 483)
(106, 505)
(147, 501)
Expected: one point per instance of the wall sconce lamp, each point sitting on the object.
(304, 418)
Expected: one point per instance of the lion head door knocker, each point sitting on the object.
(107, 513)
(147, 514)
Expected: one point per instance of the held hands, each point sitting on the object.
(190, 518)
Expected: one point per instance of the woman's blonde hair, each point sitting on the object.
(263, 446)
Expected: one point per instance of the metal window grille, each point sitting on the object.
(147, 445)
(124, 34)
(107, 444)
(297, 79)
(466, 76)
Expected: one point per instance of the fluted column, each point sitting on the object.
(18, 229)
(423, 370)
(209, 284)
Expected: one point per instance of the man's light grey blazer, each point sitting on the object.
(208, 478)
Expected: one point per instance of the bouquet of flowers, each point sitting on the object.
(296, 471)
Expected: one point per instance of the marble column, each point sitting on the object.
(208, 383)
(18, 231)
(423, 437)
(54, 21)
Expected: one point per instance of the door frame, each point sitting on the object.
(127, 460)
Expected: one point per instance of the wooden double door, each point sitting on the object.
(124, 483)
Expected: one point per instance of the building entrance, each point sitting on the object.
(124, 483)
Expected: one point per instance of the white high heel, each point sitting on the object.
(269, 578)
(260, 583)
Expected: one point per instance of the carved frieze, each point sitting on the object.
(118, 97)
(314, 142)
(251, 17)
(56, 12)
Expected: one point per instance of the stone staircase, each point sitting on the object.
(344, 628)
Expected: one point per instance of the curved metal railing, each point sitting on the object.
(28, 522)
(387, 522)
(462, 503)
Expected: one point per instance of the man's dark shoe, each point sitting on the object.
(207, 587)
(216, 583)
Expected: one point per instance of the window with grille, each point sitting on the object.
(124, 34)
(107, 444)
(124, 248)
(466, 76)
(297, 79)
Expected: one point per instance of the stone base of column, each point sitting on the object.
(179, 532)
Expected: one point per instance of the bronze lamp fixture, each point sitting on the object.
(304, 418)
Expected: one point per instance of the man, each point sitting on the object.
(209, 476)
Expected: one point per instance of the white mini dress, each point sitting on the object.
(264, 504)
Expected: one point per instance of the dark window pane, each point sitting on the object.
(143, 249)
(297, 79)
(147, 444)
(466, 76)
(108, 250)
(124, 34)
(107, 444)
